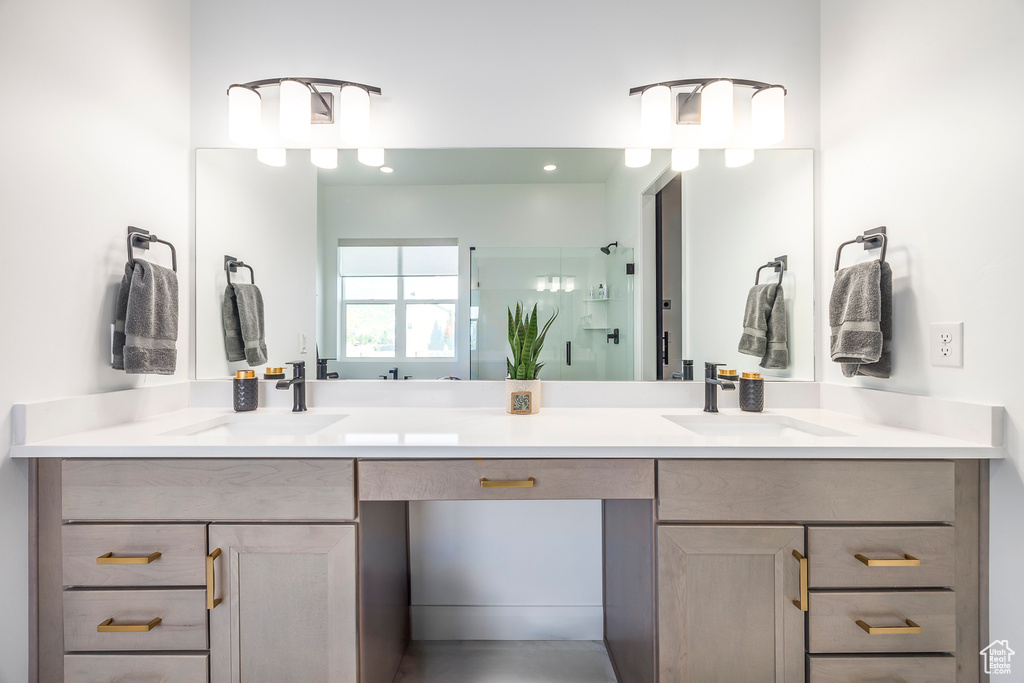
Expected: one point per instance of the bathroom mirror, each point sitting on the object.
(400, 304)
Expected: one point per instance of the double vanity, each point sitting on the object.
(812, 543)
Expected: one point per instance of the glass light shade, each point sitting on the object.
(296, 111)
(716, 111)
(684, 159)
(734, 158)
(570, 284)
(272, 156)
(637, 157)
(353, 114)
(542, 284)
(245, 115)
(656, 115)
(371, 156)
(768, 115)
(555, 283)
(324, 157)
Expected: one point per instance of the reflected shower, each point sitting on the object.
(607, 250)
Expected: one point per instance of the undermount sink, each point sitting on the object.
(750, 425)
(256, 424)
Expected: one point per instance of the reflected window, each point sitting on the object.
(397, 299)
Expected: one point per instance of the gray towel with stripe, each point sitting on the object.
(860, 315)
(244, 335)
(146, 320)
(764, 326)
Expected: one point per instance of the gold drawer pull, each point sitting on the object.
(911, 627)
(510, 484)
(907, 561)
(109, 626)
(211, 581)
(802, 602)
(109, 558)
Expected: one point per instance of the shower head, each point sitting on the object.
(607, 250)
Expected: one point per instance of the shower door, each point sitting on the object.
(581, 343)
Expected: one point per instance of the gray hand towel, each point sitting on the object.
(882, 368)
(151, 320)
(764, 326)
(244, 336)
(855, 314)
(120, 313)
(776, 356)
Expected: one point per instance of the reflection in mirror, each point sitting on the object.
(294, 224)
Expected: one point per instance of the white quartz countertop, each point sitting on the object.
(491, 433)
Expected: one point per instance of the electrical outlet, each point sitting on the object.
(946, 343)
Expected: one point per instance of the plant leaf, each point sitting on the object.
(539, 344)
(531, 337)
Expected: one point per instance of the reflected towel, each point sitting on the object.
(764, 326)
(244, 335)
(146, 320)
(855, 315)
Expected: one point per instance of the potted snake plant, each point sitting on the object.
(526, 338)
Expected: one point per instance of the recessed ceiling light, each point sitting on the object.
(386, 169)
(550, 167)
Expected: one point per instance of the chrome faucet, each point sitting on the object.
(394, 373)
(711, 384)
(298, 385)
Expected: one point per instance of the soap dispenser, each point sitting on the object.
(246, 391)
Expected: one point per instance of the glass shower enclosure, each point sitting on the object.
(592, 337)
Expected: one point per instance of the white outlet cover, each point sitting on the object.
(946, 344)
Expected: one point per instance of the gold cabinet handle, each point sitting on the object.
(907, 561)
(802, 602)
(108, 558)
(911, 627)
(109, 626)
(211, 581)
(508, 484)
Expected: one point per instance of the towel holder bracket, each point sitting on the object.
(139, 238)
(231, 265)
(780, 264)
(877, 242)
(871, 239)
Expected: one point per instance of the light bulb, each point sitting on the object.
(272, 156)
(542, 284)
(296, 111)
(734, 158)
(716, 111)
(245, 115)
(354, 114)
(637, 157)
(324, 157)
(656, 115)
(768, 115)
(684, 159)
(371, 156)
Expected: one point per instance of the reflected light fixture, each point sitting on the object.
(272, 156)
(304, 103)
(386, 169)
(371, 156)
(738, 156)
(550, 167)
(324, 157)
(637, 157)
(542, 284)
(708, 105)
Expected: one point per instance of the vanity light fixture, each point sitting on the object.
(324, 157)
(638, 157)
(550, 167)
(709, 104)
(386, 169)
(272, 156)
(304, 102)
(371, 156)
(738, 156)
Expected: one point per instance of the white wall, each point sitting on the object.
(550, 215)
(266, 217)
(735, 220)
(95, 136)
(921, 132)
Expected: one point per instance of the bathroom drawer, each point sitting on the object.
(832, 621)
(181, 562)
(182, 614)
(461, 479)
(832, 561)
(805, 490)
(932, 669)
(191, 668)
(223, 490)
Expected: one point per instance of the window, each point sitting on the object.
(397, 300)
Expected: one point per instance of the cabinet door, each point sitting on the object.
(725, 604)
(288, 609)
